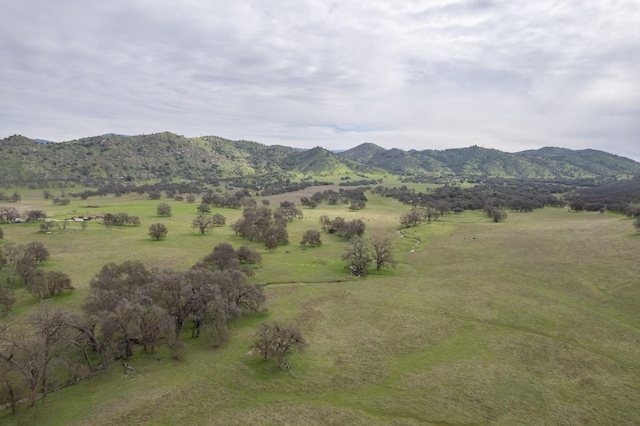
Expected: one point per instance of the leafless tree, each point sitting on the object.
(382, 252)
(158, 231)
(249, 255)
(30, 348)
(218, 220)
(311, 237)
(358, 257)
(278, 341)
(202, 223)
(45, 284)
(411, 218)
(7, 299)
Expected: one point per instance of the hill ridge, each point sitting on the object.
(166, 155)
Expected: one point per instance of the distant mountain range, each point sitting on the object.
(544, 163)
(169, 156)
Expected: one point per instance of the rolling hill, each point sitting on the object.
(545, 163)
(170, 156)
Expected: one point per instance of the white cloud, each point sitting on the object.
(511, 75)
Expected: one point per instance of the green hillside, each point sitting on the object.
(169, 156)
(546, 163)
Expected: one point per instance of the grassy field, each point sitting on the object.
(535, 320)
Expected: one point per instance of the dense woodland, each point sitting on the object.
(128, 305)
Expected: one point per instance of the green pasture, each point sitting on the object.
(535, 320)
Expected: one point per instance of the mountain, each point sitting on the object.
(545, 163)
(598, 163)
(170, 156)
(362, 153)
(321, 161)
(159, 156)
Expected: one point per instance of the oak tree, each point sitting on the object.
(158, 231)
(358, 257)
(164, 209)
(382, 250)
(311, 237)
(202, 223)
(278, 341)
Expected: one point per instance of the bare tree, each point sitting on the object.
(49, 327)
(9, 385)
(382, 252)
(110, 303)
(311, 237)
(218, 220)
(36, 251)
(495, 213)
(204, 301)
(204, 208)
(152, 322)
(167, 290)
(278, 341)
(274, 236)
(22, 353)
(411, 218)
(358, 257)
(248, 255)
(82, 336)
(158, 231)
(48, 284)
(30, 348)
(287, 212)
(222, 257)
(7, 299)
(202, 223)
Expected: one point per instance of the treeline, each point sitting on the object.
(447, 198)
(40, 183)
(127, 306)
(282, 187)
(353, 196)
(617, 197)
(171, 189)
(360, 182)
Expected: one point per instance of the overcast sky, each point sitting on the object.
(510, 75)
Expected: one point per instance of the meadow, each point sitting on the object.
(534, 320)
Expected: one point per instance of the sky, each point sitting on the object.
(510, 75)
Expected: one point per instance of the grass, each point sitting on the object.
(535, 320)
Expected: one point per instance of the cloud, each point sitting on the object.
(512, 75)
